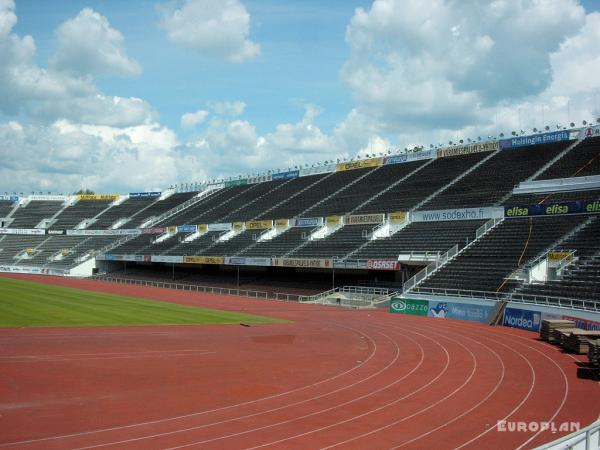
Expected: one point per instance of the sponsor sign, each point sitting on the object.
(60, 198)
(259, 224)
(56, 232)
(409, 306)
(467, 149)
(166, 259)
(125, 232)
(364, 219)
(145, 194)
(360, 164)
(259, 179)
(219, 227)
(203, 228)
(240, 261)
(396, 159)
(282, 223)
(98, 196)
(307, 222)
(522, 318)
(553, 209)
(155, 230)
(383, 264)
(327, 168)
(203, 260)
(302, 262)
(110, 257)
(555, 258)
(238, 226)
(459, 311)
(457, 214)
(350, 264)
(235, 182)
(286, 175)
(21, 269)
(333, 220)
(9, 198)
(591, 206)
(584, 324)
(589, 132)
(186, 228)
(172, 230)
(397, 217)
(545, 138)
(29, 231)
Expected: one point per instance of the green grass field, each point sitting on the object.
(27, 304)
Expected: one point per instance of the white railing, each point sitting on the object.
(540, 300)
(587, 438)
(430, 269)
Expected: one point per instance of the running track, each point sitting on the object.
(331, 379)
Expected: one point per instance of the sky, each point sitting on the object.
(140, 95)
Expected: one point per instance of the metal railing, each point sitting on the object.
(540, 300)
(206, 289)
(431, 268)
(587, 438)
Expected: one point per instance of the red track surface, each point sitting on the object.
(332, 378)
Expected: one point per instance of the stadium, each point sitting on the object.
(316, 289)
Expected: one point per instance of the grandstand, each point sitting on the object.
(485, 200)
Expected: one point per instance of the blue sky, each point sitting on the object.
(124, 96)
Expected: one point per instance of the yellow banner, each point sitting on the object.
(203, 260)
(281, 223)
(560, 256)
(172, 230)
(360, 164)
(238, 226)
(202, 228)
(397, 217)
(259, 224)
(332, 220)
(98, 197)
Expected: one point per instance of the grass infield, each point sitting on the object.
(30, 304)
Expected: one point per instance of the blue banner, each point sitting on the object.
(307, 222)
(552, 209)
(459, 311)
(396, 159)
(522, 318)
(145, 194)
(524, 141)
(187, 228)
(286, 175)
(10, 198)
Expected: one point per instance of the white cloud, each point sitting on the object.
(228, 108)
(189, 120)
(215, 28)
(87, 44)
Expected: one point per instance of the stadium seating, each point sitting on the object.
(73, 215)
(125, 210)
(30, 215)
(280, 245)
(13, 245)
(583, 160)
(160, 207)
(6, 206)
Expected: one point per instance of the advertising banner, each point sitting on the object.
(219, 227)
(410, 306)
(130, 232)
(555, 258)
(203, 260)
(584, 324)
(459, 311)
(60, 198)
(187, 228)
(302, 262)
(203, 227)
(154, 230)
(589, 132)
(172, 230)
(457, 214)
(396, 159)
(397, 217)
(351, 264)
(238, 226)
(136, 258)
(56, 232)
(522, 318)
(259, 179)
(467, 149)
(29, 231)
(306, 222)
(282, 223)
(360, 164)
(21, 269)
(383, 264)
(524, 141)
(145, 194)
(98, 196)
(333, 220)
(235, 182)
(317, 170)
(242, 261)
(259, 224)
(551, 209)
(286, 175)
(365, 219)
(166, 259)
(9, 198)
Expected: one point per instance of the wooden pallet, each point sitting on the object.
(548, 327)
(594, 352)
(578, 341)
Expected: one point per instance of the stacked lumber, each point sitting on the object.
(594, 352)
(548, 327)
(578, 341)
(559, 335)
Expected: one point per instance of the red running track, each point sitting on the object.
(333, 378)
